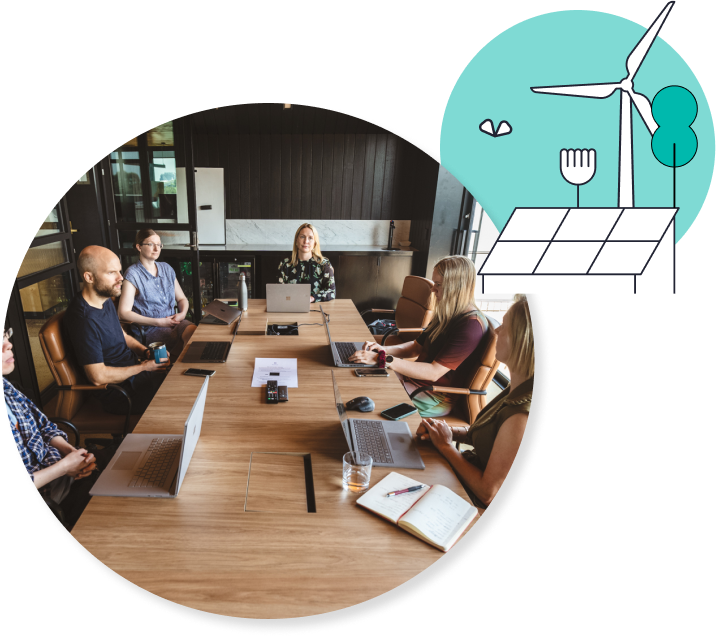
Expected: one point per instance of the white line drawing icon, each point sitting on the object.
(598, 241)
(578, 167)
(504, 128)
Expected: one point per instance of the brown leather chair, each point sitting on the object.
(413, 313)
(77, 399)
(479, 380)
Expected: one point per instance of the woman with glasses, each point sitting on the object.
(150, 292)
(308, 265)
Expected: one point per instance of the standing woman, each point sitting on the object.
(448, 349)
(498, 431)
(149, 293)
(308, 265)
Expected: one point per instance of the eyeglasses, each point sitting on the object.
(6, 336)
(153, 245)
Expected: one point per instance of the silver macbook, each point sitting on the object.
(218, 313)
(341, 351)
(153, 465)
(292, 297)
(388, 442)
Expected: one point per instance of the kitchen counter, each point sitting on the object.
(254, 248)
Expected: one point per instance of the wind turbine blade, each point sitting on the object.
(637, 55)
(596, 91)
(643, 106)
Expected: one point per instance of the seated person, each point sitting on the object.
(497, 432)
(308, 265)
(52, 462)
(105, 351)
(448, 349)
(149, 293)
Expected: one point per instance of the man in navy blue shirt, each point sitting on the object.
(101, 347)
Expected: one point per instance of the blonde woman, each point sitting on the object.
(308, 265)
(498, 431)
(446, 352)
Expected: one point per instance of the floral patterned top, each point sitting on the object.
(319, 275)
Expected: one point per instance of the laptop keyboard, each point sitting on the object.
(214, 351)
(162, 452)
(371, 438)
(345, 350)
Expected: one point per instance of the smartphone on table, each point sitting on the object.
(370, 371)
(193, 371)
(399, 411)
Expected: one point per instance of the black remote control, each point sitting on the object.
(272, 392)
(283, 394)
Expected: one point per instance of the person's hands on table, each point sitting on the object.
(439, 433)
(79, 463)
(364, 356)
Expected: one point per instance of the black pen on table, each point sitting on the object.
(409, 490)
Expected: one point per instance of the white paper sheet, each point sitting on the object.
(282, 370)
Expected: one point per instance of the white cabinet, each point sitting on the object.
(211, 221)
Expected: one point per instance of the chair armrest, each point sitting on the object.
(109, 386)
(403, 330)
(377, 311)
(449, 390)
(67, 423)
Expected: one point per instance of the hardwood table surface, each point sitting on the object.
(240, 543)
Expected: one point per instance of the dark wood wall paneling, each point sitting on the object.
(309, 163)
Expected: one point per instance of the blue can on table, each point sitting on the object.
(159, 350)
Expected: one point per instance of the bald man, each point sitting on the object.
(101, 347)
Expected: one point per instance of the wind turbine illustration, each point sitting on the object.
(628, 97)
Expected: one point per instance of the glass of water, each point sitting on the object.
(357, 471)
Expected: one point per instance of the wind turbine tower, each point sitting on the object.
(628, 97)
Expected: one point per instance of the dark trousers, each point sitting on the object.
(141, 389)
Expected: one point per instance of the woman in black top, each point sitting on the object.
(308, 265)
(498, 431)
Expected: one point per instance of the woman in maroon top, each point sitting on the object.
(445, 352)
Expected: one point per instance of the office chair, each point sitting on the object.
(413, 313)
(479, 380)
(77, 399)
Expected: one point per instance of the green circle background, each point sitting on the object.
(522, 168)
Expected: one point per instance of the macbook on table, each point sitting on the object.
(153, 465)
(288, 298)
(342, 351)
(388, 442)
(218, 313)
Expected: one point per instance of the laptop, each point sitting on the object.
(281, 297)
(388, 442)
(209, 351)
(342, 351)
(153, 465)
(218, 313)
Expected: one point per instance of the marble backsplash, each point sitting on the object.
(331, 232)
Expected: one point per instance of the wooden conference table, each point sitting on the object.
(243, 544)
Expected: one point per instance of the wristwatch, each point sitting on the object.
(389, 359)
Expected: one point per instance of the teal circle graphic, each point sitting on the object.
(521, 168)
(674, 143)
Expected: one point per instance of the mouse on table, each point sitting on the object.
(361, 403)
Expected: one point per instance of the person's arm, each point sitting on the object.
(182, 303)
(101, 374)
(484, 484)
(422, 371)
(126, 303)
(78, 464)
(283, 271)
(328, 285)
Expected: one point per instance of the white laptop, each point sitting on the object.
(288, 297)
(153, 465)
(388, 442)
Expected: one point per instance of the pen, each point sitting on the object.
(416, 488)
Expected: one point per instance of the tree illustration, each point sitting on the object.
(674, 143)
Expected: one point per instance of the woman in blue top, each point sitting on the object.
(149, 293)
(308, 265)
